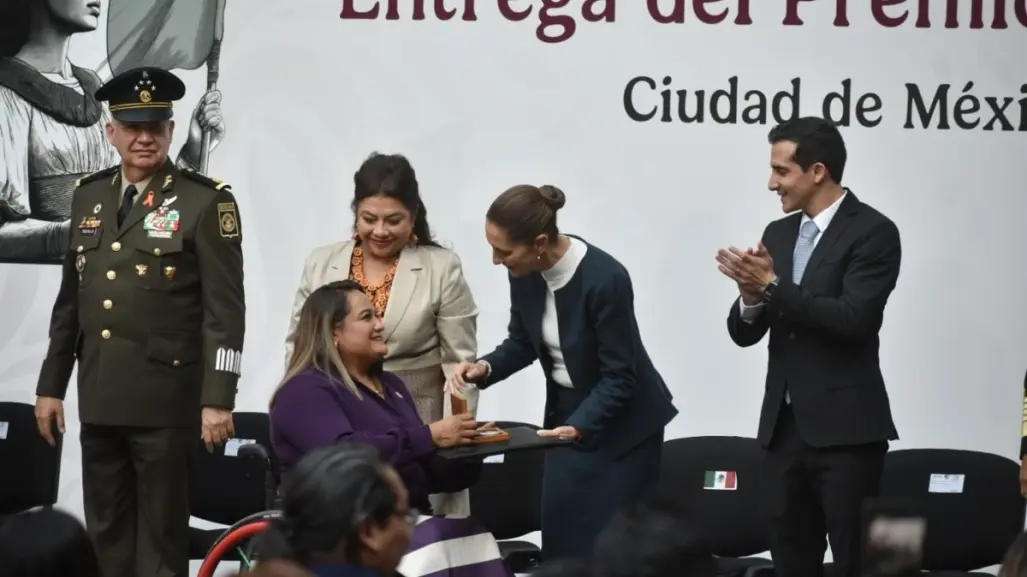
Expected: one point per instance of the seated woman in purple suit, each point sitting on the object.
(336, 391)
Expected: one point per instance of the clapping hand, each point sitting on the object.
(752, 269)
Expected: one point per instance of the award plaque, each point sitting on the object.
(496, 441)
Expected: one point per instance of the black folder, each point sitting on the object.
(521, 439)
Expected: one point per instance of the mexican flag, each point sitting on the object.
(721, 481)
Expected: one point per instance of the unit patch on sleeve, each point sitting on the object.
(228, 220)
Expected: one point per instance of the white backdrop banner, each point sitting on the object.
(652, 116)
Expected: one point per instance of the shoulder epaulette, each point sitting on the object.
(97, 175)
(216, 184)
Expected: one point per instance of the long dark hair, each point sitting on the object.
(46, 543)
(392, 175)
(330, 494)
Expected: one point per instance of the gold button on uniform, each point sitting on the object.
(116, 246)
(111, 275)
(175, 362)
(80, 249)
(156, 252)
(105, 334)
(107, 304)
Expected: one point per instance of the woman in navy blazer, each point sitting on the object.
(572, 308)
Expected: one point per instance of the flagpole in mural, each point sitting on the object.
(213, 62)
(170, 34)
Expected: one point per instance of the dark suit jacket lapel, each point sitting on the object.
(783, 260)
(834, 231)
(151, 198)
(535, 301)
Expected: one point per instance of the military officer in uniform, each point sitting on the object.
(152, 307)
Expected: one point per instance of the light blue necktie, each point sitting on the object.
(800, 258)
(803, 249)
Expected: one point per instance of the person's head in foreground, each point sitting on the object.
(653, 538)
(46, 543)
(520, 225)
(339, 334)
(1014, 564)
(341, 506)
(807, 160)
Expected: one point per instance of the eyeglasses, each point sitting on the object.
(410, 516)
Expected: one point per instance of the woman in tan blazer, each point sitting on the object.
(417, 287)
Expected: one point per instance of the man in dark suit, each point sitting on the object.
(151, 305)
(818, 282)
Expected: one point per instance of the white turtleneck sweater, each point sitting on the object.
(556, 278)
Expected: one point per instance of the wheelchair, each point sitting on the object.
(237, 540)
(238, 537)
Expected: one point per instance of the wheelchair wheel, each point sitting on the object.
(237, 537)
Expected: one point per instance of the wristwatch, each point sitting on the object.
(768, 291)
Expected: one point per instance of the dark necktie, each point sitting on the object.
(127, 202)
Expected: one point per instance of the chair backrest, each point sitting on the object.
(508, 497)
(227, 487)
(971, 500)
(31, 468)
(717, 479)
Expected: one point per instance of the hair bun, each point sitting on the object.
(554, 197)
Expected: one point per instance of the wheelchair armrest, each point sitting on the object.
(254, 451)
(257, 451)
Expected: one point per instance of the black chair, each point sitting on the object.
(227, 487)
(508, 501)
(967, 530)
(697, 472)
(32, 468)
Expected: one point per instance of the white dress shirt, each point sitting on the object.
(556, 278)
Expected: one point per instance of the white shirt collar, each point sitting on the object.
(823, 219)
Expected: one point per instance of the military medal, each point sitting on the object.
(141, 269)
(80, 263)
(161, 223)
(169, 272)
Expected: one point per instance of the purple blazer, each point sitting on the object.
(310, 411)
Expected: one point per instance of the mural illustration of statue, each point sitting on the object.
(52, 128)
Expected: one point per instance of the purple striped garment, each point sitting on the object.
(452, 547)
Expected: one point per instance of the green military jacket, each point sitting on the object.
(154, 310)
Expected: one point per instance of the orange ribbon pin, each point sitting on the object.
(148, 203)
